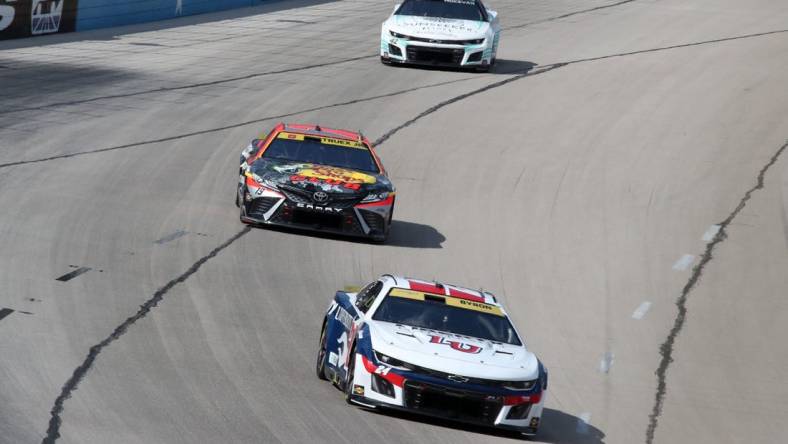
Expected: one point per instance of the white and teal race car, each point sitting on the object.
(451, 33)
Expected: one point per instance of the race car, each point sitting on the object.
(451, 33)
(312, 177)
(431, 348)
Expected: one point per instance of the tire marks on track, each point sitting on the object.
(666, 349)
(55, 421)
(182, 87)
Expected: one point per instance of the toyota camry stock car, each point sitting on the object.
(452, 33)
(307, 176)
(431, 348)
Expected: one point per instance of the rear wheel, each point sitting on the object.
(320, 366)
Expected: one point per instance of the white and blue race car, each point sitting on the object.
(451, 33)
(431, 348)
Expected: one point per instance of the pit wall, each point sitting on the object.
(26, 18)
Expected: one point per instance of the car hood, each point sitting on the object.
(437, 28)
(313, 177)
(449, 353)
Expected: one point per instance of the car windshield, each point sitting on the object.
(452, 9)
(448, 314)
(323, 151)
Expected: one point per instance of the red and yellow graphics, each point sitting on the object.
(351, 180)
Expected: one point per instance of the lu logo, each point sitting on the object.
(456, 345)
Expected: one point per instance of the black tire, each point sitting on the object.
(385, 61)
(351, 370)
(320, 364)
(237, 201)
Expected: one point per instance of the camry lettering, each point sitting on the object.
(456, 345)
(318, 208)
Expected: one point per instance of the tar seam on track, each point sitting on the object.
(366, 99)
(53, 431)
(227, 127)
(284, 71)
(666, 349)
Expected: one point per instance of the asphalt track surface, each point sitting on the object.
(580, 181)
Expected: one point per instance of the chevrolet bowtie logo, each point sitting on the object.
(458, 378)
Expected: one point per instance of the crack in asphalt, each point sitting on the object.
(53, 431)
(387, 135)
(550, 67)
(666, 349)
(568, 14)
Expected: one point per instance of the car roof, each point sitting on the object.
(443, 289)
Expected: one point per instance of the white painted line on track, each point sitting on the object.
(582, 422)
(606, 362)
(684, 262)
(641, 310)
(710, 233)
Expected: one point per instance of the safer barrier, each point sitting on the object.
(25, 18)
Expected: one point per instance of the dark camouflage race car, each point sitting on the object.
(305, 176)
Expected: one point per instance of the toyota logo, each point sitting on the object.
(458, 378)
(320, 197)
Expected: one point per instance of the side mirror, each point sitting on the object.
(492, 14)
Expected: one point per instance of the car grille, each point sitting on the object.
(437, 55)
(453, 404)
(258, 207)
(335, 200)
(443, 375)
(374, 221)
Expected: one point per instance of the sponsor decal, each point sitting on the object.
(452, 301)
(324, 140)
(456, 345)
(458, 378)
(473, 305)
(23, 18)
(344, 318)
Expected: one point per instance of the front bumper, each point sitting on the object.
(381, 386)
(273, 208)
(398, 50)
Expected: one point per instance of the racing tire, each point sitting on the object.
(351, 370)
(320, 364)
(237, 200)
(385, 61)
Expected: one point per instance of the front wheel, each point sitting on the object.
(351, 370)
(320, 366)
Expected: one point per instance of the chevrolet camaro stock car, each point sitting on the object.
(305, 176)
(431, 348)
(452, 33)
